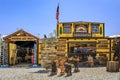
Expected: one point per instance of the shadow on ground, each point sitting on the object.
(41, 71)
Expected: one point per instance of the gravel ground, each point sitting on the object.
(97, 73)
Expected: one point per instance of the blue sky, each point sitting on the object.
(38, 16)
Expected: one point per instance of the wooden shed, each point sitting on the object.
(20, 46)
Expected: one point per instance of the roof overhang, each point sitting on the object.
(20, 35)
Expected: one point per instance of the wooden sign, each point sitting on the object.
(22, 38)
(103, 42)
(82, 35)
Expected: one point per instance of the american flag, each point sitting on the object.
(57, 14)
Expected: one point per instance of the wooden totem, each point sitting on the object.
(76, 64)
(54, 66)
(68, 67)
(62, 68)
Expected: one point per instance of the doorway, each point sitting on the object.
(24, 51)
(82, 50)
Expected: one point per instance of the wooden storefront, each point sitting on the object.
(20, 46)
(85, 36)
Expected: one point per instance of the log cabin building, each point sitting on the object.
(73, 38)
(19, 47)
(84, 38)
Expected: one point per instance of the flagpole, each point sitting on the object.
(57, 15)
(57, 12)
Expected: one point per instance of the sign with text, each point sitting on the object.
(81, 28)
(22, 38)
(82, 35)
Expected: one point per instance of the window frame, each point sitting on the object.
(96, 26)
(68, 26)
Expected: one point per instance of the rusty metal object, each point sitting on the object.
(76, 64)
(54, 66)
(68, 66)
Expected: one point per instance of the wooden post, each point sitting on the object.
(110, 50)
(0, 48)
(119, 54)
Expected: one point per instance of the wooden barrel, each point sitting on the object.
(112, 66)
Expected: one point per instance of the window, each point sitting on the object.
(67, 28)
(95, 28)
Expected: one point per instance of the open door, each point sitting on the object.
(12, 53)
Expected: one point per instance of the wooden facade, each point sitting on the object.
(21, 41)
(85, 36)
